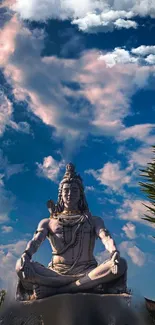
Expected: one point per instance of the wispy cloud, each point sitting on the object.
(7, 229)
(6, 117)
(141, 132)
(134, 211)
(130, 230)
(8, 169)
(8, 257)
(140, 157)
(137, 256)
(7, 40)
(110, 175)
(7, 200)
(5, 113)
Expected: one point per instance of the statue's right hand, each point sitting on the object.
(27, 267)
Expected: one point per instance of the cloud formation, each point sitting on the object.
(9, 254)
(7, 199)
(6, 204)
(130, 230)
(110, 175)
(134, 211)
(140, 55)
(89, 15)
(136, 255)
(5, 112)
(6, 229)
(97, 113)
(141, 157)
(141, 132)
(6, 117)
(50, 168)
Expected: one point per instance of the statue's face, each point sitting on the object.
(71, 195)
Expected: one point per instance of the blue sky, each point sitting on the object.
(77, 84)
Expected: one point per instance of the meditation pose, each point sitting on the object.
(71, 231)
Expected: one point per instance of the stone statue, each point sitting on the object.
(71, 231)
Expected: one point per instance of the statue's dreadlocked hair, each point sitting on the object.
(69, 177)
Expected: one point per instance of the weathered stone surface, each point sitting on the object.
(73, 309)
(72, 231)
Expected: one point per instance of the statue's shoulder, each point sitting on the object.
(44, 223)
(98, 221)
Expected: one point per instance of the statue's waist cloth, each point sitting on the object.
(68, 268)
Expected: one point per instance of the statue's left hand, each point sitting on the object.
(115, 261)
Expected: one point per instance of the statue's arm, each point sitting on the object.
(38, 238)
(104, 235)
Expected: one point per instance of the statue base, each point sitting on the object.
(73, 309)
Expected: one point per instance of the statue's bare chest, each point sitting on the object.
(61, 234)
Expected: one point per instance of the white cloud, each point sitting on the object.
(136, 255)
(88, 14)
(130, 230)
(6, 117)
(8, 257)
(123, 56)
(150, 59)
(140, 157)
(5, 112)
(6, 204)
(119, 55)
(50, 168)
(102, 257)
(7, 229)
(143, 50)
(7, 40)
(110, 175)
(122, 23)
(106, 21)
(134, 211)
(16, 248)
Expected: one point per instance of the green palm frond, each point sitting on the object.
(148, 187)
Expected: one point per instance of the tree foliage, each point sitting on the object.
(2, 296)
(148, 187)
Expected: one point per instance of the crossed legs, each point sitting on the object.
(47, 282)
(102, 274)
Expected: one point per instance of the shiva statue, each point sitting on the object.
(71, 230)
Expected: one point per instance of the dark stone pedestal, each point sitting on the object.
(72, 309)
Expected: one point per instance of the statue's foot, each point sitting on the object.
(40, 291)
(23, 294)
